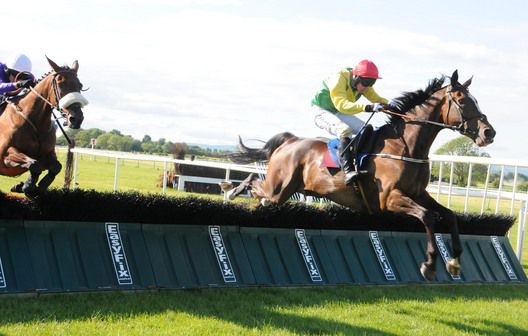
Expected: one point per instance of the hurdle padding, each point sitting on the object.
(53, 256)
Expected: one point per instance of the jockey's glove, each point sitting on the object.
(376, 107)
(27, 83)
(391, 106)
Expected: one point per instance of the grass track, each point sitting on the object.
(355, 310)
(366, 310)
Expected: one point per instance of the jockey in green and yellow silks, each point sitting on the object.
(336, 106)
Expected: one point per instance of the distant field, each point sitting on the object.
(351, 310)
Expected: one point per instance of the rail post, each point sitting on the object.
(520, 230)
(116, 173)
(164, 177)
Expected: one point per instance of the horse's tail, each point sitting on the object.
(245, 155)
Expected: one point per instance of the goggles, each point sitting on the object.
(367, 81)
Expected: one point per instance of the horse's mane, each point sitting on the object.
(62, 68)
(409, 100)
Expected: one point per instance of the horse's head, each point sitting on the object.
(461, 109)
(67, 91)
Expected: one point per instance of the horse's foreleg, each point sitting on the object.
(54, 168)
(397, 202)
(16, 159)
(448, 218)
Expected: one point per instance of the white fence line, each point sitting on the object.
(438, 187)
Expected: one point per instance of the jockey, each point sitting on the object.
(335, 106)
(9, 71)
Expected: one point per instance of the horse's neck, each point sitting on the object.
(419, 137)
(35, 107)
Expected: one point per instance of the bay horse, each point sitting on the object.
(27, 134)
(397, 164)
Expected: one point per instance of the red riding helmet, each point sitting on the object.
(366, 69)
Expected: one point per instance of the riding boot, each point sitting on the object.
(347, 164)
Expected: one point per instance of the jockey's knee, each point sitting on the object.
(345, 133)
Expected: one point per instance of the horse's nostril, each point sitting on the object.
(489, 133)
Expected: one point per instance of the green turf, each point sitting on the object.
(365, 310)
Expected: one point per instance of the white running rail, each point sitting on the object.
(507, 191)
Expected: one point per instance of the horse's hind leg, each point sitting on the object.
(280, 186)
(54, 168)
(243, 186)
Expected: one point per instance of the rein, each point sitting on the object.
(57, 107)
(460, 128)
(425, 121)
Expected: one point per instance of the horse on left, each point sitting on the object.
(27, 131)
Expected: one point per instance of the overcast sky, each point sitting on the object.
(204, 71)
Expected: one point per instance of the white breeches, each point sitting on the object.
(339, 124)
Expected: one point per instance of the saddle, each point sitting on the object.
(6, 99)
(361, 146)
(3, 104)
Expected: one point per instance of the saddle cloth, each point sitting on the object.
(361, 147)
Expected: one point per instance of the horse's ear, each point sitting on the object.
(75, 66)
(454, 78)
(53, 65)
(467, 83)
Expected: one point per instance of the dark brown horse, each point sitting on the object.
(398, 164)
(27, 133)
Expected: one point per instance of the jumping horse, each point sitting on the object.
(397, 163)
(27, 133)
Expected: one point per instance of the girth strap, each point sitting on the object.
(400, 157)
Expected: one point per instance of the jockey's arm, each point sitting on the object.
(373, 96)
(340, 99)
(7, 87)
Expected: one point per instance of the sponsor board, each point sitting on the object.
(3, 283)
(306, 252)
(221, 254)
(444, 252)
(503, 258)
(117, 251)
(382, 256)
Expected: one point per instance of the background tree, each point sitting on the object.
(115, 140)
(462, 146)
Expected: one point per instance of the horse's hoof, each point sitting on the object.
(427, 273)
(30, 191)
(231, 194)
(453, 267)
(18, 188)
(265, 202)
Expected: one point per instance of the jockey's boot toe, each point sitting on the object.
(351, 177)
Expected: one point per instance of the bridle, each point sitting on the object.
(59, 98)
(464, 121)
(461, 127)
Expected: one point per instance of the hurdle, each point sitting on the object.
(47, 248)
